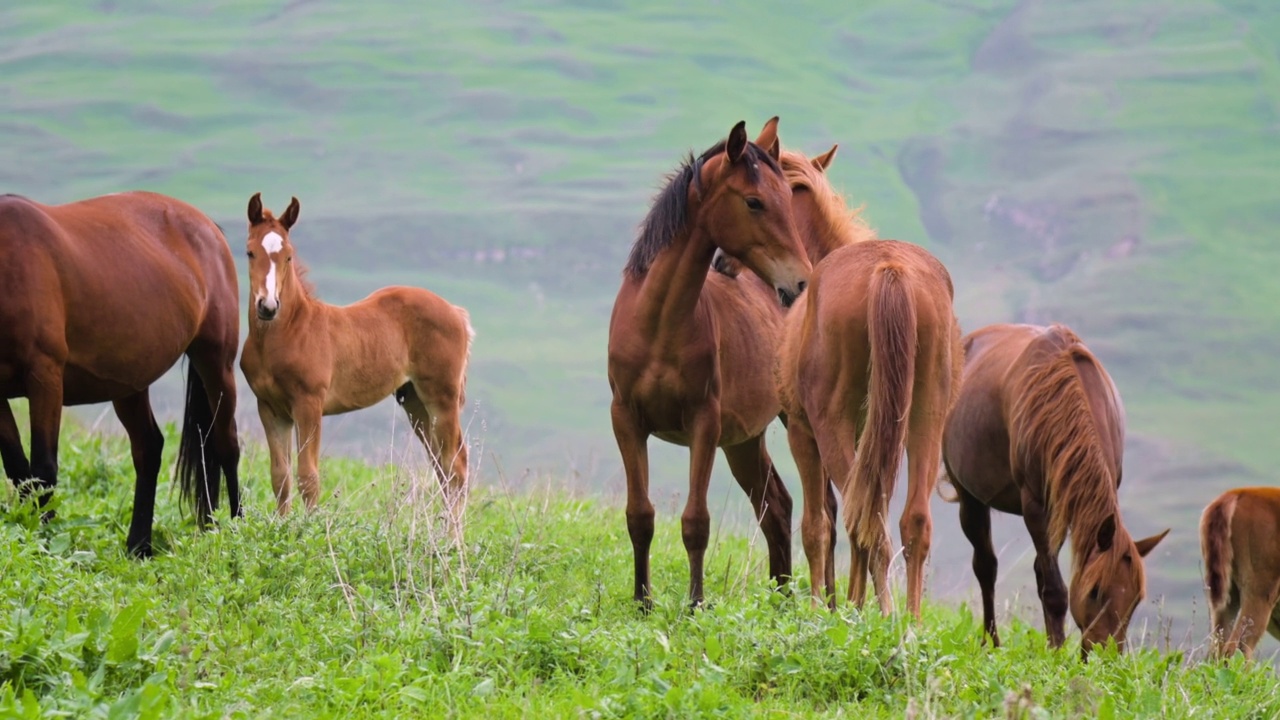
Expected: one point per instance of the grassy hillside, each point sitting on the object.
(368, 609)
(1108, 164)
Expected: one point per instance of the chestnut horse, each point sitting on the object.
(1038, 431)
(101, 297)
(1242, 567)
(870, 364)
(305, 359)
(690, 351)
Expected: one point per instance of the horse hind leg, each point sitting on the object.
(214, 362)
(975, 521)
(146, 443)
(756, 474)
(439, 428)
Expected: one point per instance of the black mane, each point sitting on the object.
(669, 212)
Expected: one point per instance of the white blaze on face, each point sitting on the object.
(272, 243)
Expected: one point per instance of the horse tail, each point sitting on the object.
(891, 321)
(466, 357)
(197, 459)
(1215, 545)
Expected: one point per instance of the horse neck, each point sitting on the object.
(832, 226)
(1082, 495)
(671, 287)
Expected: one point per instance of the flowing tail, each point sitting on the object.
(1215, 545)
(198, 468)
(891, 318)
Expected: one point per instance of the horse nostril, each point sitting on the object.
(802, 286)
(785, 297)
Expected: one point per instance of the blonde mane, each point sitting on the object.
(1054, 430)
(838, 225)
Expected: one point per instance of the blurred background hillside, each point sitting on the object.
(1111, 165)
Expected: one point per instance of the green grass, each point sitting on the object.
(367, 608)
(424, 140)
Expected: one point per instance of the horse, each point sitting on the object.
(1241, 567)
(101, 297)
(1038, 431)
(690, 351)
(869, 366)
(305, 359)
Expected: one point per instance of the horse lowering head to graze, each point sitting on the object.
(691, 351)
(1038, 431)
(305, 359)
(100, 298)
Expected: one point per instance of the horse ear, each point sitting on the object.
(823, 161)
(255, 209)
(737, 143)
(1107, 532)
(768, 138)
(290, 215)
(1146, 545)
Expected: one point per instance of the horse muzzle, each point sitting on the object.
(787, 296)
(266, 313)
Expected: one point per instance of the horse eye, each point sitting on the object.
(755, 204)
(1093, 594)
(250, 253)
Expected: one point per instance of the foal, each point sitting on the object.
(305, 358)
(1242, 567)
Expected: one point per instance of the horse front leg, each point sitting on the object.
(1053, 592)
(279, 432)
(695, 522)
(44, 395)
(307, 416)
(11, 453)
(633, 442)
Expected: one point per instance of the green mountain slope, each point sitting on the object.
(1112, 165)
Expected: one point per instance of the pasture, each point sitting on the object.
(364, 609)
(1110, 165)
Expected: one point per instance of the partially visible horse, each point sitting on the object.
(101, 297)
(1238, 534)
(1038, 431)
(305, 359)
(870, 363)
(690, 351)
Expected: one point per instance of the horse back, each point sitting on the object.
(136, 265)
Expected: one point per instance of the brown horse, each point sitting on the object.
(305, 359)
(870, 363)
(100, 298)
(1038, 431)
(1242, 567)
(690, 351)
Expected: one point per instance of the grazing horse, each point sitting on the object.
(690, 351)
(1242, 567)
(1038, 431)
(870, 363)
(305, 359)
(101, 297)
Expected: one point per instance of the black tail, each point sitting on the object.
(198, 467)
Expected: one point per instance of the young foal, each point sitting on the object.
(690, 352)
(1242, 567)
(870, 361)
(305, 359)
(1038, 431)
